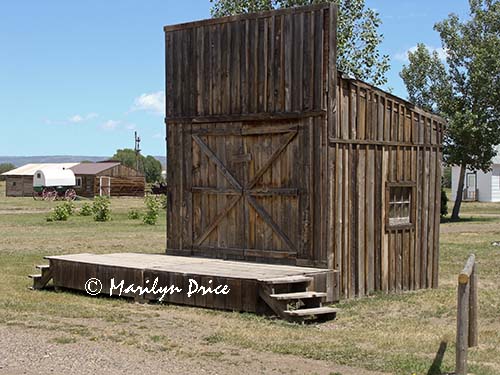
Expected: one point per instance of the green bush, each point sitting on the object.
(153, 205)
(69, 206)
(86, 210)
(62, 212)
(134, 214)
(444, 203)
(101, 209)
(163, 200)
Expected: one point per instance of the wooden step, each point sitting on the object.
(298, 295)
(43, 266)
(40, 281)
(316, 311)
(288, 280)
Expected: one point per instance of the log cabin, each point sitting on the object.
(109, 178)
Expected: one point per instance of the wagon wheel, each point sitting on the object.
(36, 195)
(49, 194)
(70, 195)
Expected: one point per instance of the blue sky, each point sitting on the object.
(80, 77)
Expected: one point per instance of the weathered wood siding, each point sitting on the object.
(19, 186)
(274, 157)
(248, 190)
(380, 140)
(125, 182)
(246, 103)
(270, 62)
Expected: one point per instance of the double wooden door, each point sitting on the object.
(246, 190)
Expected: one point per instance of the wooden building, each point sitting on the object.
(19, 181)
(275, 157)
(288, 183)
(108, 179)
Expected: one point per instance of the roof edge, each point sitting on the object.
(244, 16)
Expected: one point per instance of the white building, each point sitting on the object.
(480, 186)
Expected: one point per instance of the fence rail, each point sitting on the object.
(467, 303)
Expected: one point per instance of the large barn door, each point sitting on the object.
(250, 190)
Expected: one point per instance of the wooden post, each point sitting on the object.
(464, 308)
(473, 307)
(462, 328)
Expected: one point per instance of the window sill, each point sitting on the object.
(394, 227)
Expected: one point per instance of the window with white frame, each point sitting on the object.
(78, 182)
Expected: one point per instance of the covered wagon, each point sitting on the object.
(53, 182)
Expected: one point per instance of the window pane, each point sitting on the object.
(399, 205)
(405, 210)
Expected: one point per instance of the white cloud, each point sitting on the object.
(75, 119)
(110, 124)
(152, 102)
(82, 118)
(403, 56)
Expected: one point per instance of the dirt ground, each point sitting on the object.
(35, 352)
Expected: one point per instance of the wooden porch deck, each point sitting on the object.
(293, 293)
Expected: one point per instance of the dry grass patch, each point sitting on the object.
(399, 334)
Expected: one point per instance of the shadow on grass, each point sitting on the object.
(474, 219)
(435, 368)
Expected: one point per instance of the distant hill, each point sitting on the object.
(22, 160)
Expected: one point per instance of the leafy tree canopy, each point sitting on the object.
(465, 90)
(149, 165)
(5, 167)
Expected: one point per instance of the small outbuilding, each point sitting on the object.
(19, 181)
(109, 178)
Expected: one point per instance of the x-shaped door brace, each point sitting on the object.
(248, 192)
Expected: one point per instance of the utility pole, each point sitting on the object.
(137, 149)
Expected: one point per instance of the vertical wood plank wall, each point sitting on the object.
(236, 88)
(242, 87)
(19, 186)
(264, 63)
(378, 140)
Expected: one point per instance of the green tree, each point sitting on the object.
(466, 91)
(425, 78)
(5, 167)
(358, 38)
(127, 157)
(147, 165)
(152, 169)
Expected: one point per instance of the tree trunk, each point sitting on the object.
(460, 192)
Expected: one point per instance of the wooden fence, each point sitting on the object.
(467, 332)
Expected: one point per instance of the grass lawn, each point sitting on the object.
(398, 334)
